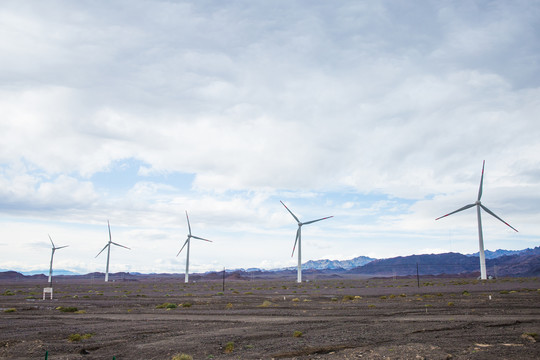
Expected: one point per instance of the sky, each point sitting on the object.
(379, 113)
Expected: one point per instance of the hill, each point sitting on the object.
(326, 264)
(501, 252)
(501, 263)
(525, 263)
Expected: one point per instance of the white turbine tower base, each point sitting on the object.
(108, 247)
(299, 240)
(188, 242)
(54, 248)
(478, 204)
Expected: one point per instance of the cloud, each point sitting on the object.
(379, 113)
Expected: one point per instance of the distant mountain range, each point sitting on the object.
(522, 263)
(45, 272)
(498, 253)
(326, 264)
(499, 263)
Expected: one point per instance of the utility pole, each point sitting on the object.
(223, 280)
(417, 275)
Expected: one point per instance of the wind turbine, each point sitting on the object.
(479, 205)
(299, 240)
(188, 241)
(109, 251)
(54, 248)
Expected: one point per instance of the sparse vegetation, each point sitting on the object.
(182, 357)
(267, 303)
(70, 309)
(166, 306)
(229, 347)
(450, 303)
(8, 293)
(297, 334)
(186, 304)
(79, 337)
(10, 310)
(347, 298)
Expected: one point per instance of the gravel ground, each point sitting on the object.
(271, 319)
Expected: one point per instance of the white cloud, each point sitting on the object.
(378, 113)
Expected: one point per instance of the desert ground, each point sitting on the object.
(272, 319)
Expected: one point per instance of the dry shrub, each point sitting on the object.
(229, 347)
(182, 357)
(267, 303)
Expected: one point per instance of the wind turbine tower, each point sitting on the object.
(108, 247)
(188, 242)
(478, 204)
(54, 248)
(299, 240)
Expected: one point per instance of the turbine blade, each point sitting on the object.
(294, 216)
(481, 181)
(120, 245)
(188, 225)
(200, 238)
(493, 214)
(102, 249)
(183, 247)
(312, 221)
(109, 225)
(295, 241)
(458, 210)
(51, 240)
(61, 247)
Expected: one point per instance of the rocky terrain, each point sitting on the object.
(158, 318)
